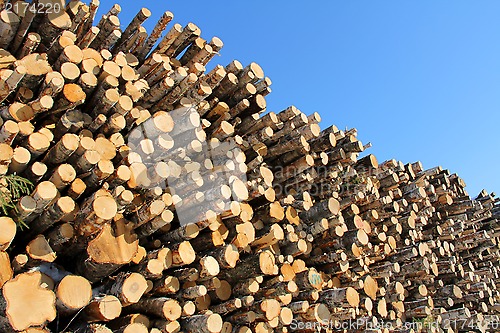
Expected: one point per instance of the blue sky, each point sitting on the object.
(418, 79)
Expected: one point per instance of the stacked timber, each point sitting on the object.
(307, 232)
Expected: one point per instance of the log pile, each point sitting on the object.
(312, 235)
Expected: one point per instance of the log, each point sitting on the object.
(9, 228)
(60, 236)
(108, 251)
(103, 308)
(26, 303)
(204, 323)
(30, 44)
(162, 307)
(10, 83)
(24, 25)
(73, 293)
(129, 288)
(141, 16)
(52, 25)
(56, 212)
(9, 23)
(72, 96)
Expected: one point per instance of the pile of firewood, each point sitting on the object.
(314, 237)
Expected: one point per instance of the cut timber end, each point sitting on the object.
(73, 93)
(370, 287)
(184, 255)
(8, 231)
(105, 207)
(39, 249)
(113, 247)
(209, 323)
(352, 297)
(28, 304)
(129, 288)
(267, 262)
(6, 272)
(73, 293)
(104, 308)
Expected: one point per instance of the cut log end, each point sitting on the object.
(74, 292)
(28, 303)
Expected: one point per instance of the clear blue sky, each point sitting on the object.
(418, 79)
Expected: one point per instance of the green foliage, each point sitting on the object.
(356, 180)
(12, 188)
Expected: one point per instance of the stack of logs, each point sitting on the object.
(315, 234)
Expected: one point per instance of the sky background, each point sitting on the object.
(420, 80)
